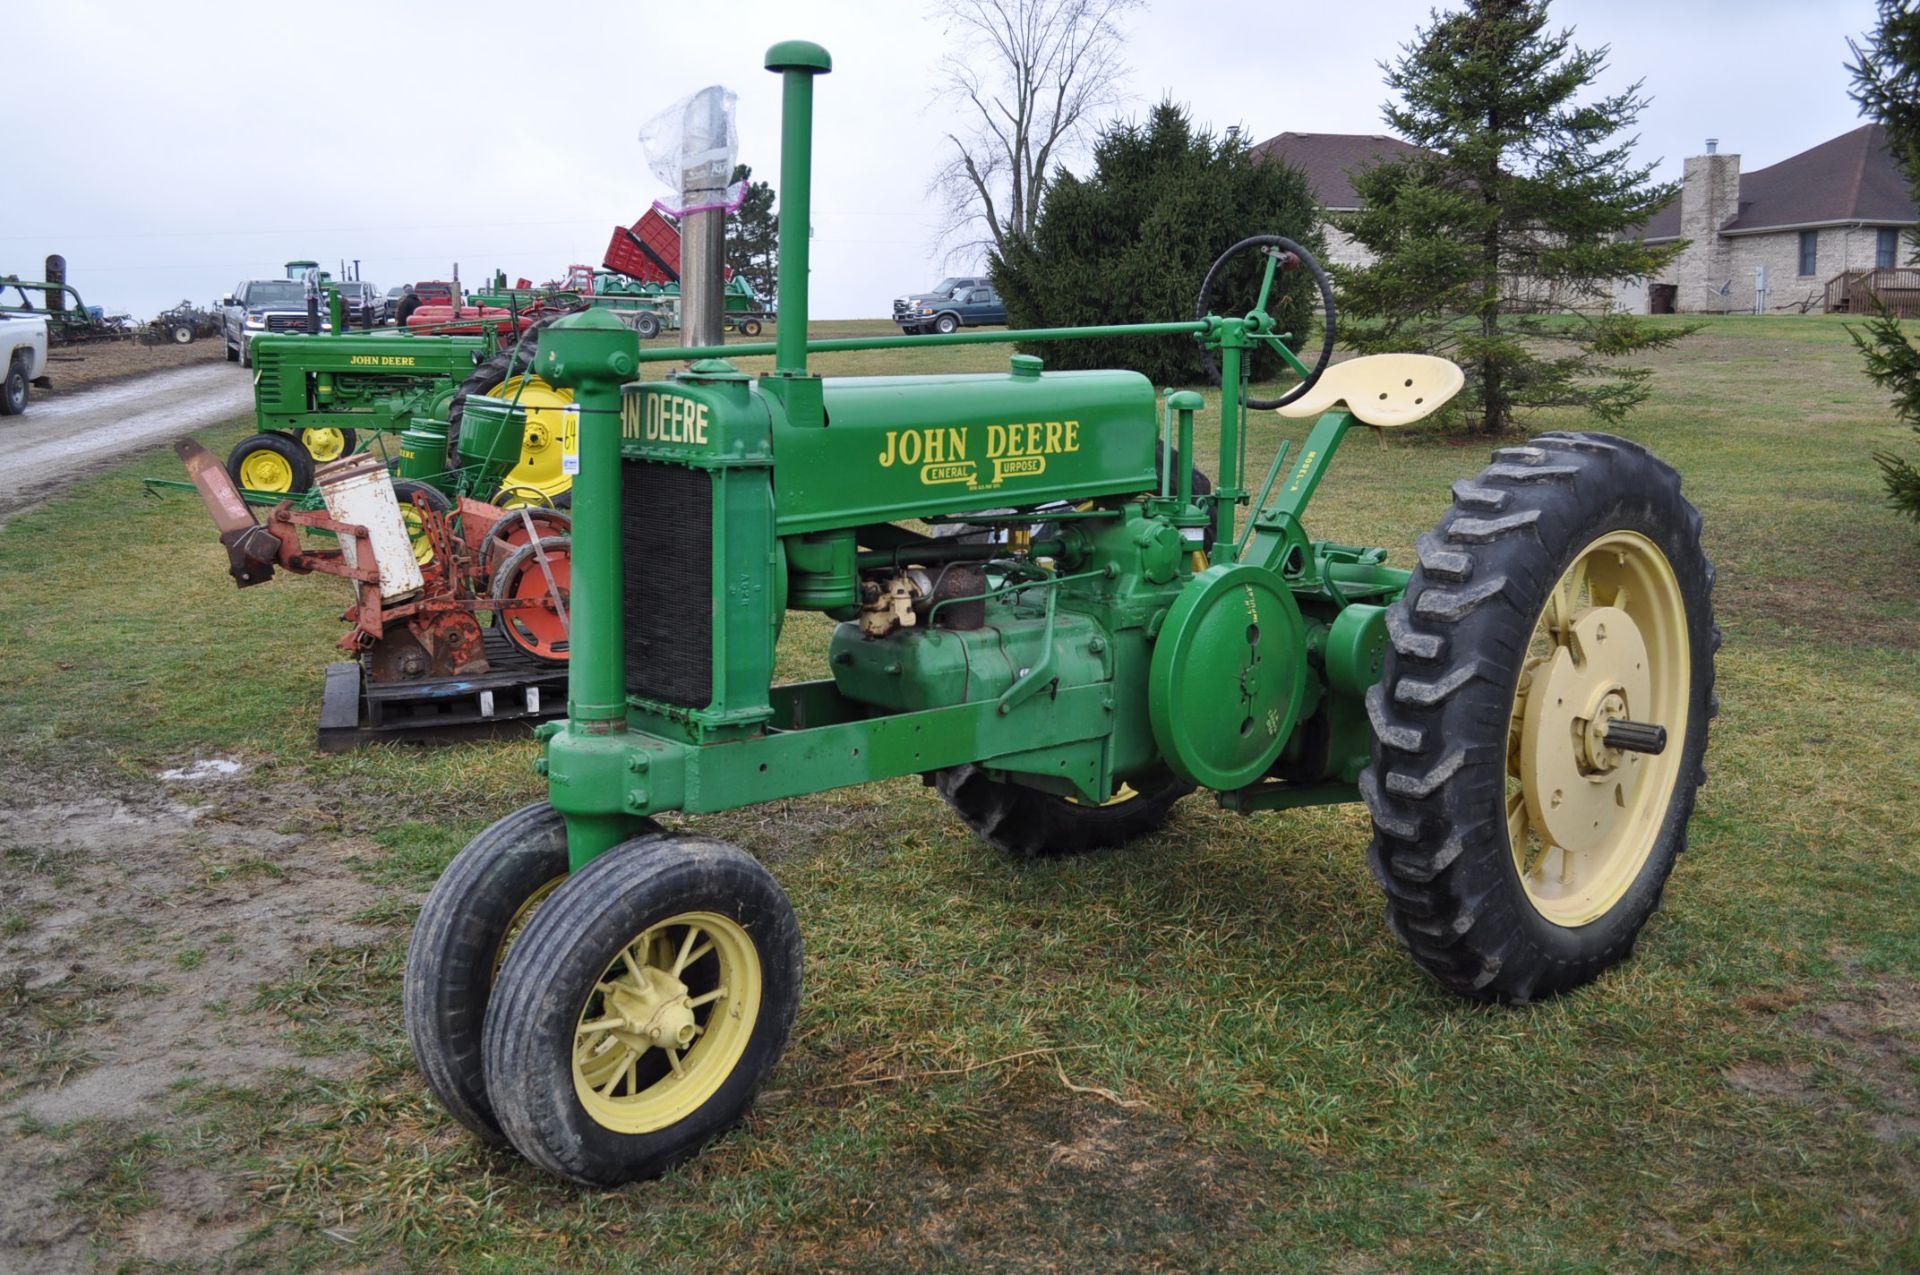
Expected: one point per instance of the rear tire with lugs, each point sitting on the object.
(1024, 821)
(1565, 590)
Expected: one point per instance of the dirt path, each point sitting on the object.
(63, 439)
(138, 930)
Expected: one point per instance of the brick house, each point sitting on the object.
(1791, 236)
(1327, 160)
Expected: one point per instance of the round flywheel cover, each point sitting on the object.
(1228, 671)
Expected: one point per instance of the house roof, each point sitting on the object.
(1328, 158)
(1852, 178)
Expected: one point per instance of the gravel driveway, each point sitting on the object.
(62, 439)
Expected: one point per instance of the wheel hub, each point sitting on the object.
(1574, 782)
(649, 1049)
(656, 1008)
(1597, 757)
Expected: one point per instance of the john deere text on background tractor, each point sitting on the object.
(1524, 711)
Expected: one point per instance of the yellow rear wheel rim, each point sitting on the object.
(416, 525)
(323, 444)
(538, 476)
(1610, 642)
(266, 470)
(667, 1022)
(1125, 793)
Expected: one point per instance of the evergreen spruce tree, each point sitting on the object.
(1523, 203)
(753, 240)
(1886, 83)
(1132, 242)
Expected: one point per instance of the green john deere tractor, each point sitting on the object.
(1524, 712)
(318, 398)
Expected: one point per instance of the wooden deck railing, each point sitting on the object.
(1866, 291)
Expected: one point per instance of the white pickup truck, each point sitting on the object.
(23, 352)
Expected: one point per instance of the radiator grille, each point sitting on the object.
(666, 528)
(266, 380)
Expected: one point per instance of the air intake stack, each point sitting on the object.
(797, 61)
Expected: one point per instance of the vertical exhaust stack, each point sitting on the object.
(57, 274)
(797, 61)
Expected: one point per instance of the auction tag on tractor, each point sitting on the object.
(570, 451)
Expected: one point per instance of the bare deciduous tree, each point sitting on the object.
(1025, 80)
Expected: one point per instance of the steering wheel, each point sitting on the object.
(1282, 254)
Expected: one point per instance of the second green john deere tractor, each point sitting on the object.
(1524, 711)
(318, 398)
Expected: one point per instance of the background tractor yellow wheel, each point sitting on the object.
(1541, 718)
(270, 462)
(550, 430)
(327, 443)
(536, 477)
(415, 521)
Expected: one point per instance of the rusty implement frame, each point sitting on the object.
(432, 632)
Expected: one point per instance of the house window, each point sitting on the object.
(1887, 248)
(1809, 251)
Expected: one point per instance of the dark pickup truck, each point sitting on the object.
(965, 307)
(906, 310)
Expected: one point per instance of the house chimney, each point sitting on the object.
(1709, 199)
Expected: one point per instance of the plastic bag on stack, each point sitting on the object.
(692, 147)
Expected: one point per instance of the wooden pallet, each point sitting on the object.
(518, 694)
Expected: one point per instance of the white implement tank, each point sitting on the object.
(358, 490)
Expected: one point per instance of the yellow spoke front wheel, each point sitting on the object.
(641, 1008)
(666, 1022)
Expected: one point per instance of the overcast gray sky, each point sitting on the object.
(171, 150)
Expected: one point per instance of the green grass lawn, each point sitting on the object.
(1202, 1052)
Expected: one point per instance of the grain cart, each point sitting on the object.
(1524, 712)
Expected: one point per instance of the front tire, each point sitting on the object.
(1565, 590)
(476, 911)
(946, 325)
(13, 394)
(272, 462)
(1018, 820)
(642, 1008)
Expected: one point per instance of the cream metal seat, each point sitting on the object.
(1383, 389)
